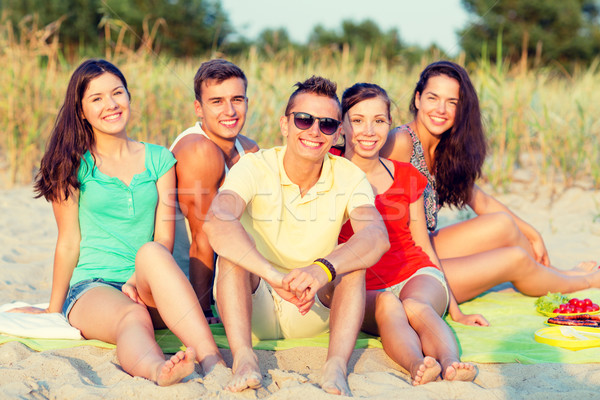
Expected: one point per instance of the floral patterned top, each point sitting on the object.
(430, 196)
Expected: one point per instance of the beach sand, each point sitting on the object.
(569, 221)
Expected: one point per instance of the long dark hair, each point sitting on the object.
(71, 135)
(459, 156)
(357, 93)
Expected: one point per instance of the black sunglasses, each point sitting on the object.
(304, 121)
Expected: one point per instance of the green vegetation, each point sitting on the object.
(543, 119)
(181, 28)
(550, 31)
(550, 301)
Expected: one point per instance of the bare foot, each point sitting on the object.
(593, 279)
(209, 362)
(176, 368)
(246, 372)
(333, 379)
(426, 372)
(460, 371)
(586, 267)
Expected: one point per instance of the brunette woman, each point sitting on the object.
(114, 277)
(446, 143)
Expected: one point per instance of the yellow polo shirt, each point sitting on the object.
(292, 231)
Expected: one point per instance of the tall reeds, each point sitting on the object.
(537, 119)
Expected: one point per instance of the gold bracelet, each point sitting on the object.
(324, 267)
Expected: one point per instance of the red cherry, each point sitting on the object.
(573, 300)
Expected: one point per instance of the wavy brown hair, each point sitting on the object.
(459, 156)
(71, 135)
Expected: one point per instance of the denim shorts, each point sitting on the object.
(78, 289)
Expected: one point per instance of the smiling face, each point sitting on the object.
(437, 104)
(105, 105)
(223, 107)
(310, 144)
(365, 127)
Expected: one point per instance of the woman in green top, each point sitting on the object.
(114, 277)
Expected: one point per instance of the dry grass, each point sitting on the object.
(538, 119)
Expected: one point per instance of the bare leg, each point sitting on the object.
(472, 275)
(201, 278)
(424, 300)
(482, 233)
(167, 289)
(385, 316)
(106, 314)
(347, 311)
(234, 289)
(489, 232)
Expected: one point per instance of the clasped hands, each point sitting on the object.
(300, 286)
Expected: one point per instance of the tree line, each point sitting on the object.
(539, 32)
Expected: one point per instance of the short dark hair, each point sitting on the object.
(218, 70)
(315, 85)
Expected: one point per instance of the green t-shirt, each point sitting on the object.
(115, 220)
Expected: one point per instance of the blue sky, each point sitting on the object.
(420, 22)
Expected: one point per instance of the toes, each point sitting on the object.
(450, 373)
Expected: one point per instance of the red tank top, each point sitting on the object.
(404, 257)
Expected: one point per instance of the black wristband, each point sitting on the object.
(328, 265)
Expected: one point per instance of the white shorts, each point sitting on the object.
(275, 318)
(431, 271)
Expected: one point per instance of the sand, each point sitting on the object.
(569, 221)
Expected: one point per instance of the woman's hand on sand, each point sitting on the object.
(29, 310)
(472, 320)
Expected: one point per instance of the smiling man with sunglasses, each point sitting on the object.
(274, 225)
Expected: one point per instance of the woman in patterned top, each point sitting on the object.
(446, 143)
(114, 277)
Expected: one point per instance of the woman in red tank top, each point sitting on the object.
(406, 290)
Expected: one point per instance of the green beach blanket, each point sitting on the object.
(510, 336)
(508, 339)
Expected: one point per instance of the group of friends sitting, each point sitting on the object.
(333, 232)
